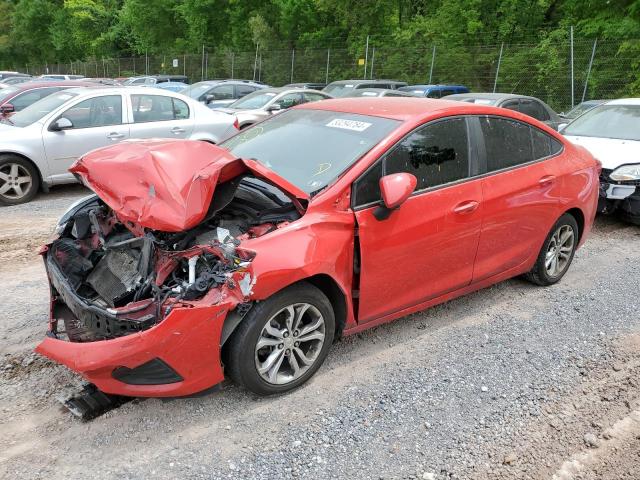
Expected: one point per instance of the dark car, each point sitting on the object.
(220, 93)
(343, 88)
(17, 80)
(5, 74)
(17, 97)
(434, 91)
(531, 106)
(312, 86)
(379, 92)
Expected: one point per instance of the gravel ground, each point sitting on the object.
(512, 382)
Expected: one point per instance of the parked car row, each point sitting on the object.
(40, 142)
(245, 102)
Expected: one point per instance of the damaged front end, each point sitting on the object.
(139, 311)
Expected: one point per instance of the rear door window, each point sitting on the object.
(533, 109)
(544, 145)
(157, 108)
(242, 90)
(507, 142)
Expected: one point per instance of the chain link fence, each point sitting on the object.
(544, 69)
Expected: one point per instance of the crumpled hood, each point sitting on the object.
(611, 152)
(166, 185)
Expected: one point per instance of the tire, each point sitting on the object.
(543, 272)
(19, 180)
(267, 322)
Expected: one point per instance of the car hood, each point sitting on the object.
(611, 152)
(11, 133)
(167, 185)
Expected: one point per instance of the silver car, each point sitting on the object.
(39, 143)
(262, 104)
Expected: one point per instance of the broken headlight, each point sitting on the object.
(626, 173)
(72, 210)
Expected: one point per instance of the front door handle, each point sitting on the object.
(177, 130)
(466, 207)
(115, 136)
(547, 180)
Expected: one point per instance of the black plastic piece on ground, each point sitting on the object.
(90, 402)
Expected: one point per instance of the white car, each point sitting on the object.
(611, 133)
(39, 143)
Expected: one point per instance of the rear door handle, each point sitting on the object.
(547, 180)
(115, 136)
(466, 207)
(177, 130)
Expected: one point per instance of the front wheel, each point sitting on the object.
(18, 180)
(282, 341)
(557, 252)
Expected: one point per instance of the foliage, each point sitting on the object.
(467, 35)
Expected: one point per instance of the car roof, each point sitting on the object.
(57, 83)
(119, 89)
(357, 82)
(624, 101)
(397, 108)
(487, 96)
(439, 85)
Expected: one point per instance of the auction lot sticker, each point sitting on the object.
(348, 124)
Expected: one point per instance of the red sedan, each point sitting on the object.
(18, 97)
(196, 261)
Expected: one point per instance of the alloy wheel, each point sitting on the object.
(559, 251)
(290, 343)
(15, 181)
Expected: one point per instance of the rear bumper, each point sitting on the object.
(187, 341)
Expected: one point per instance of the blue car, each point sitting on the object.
(171, 86)
(434, 91)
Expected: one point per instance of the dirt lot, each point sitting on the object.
(513, 382)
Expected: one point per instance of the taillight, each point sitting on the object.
(236, 124)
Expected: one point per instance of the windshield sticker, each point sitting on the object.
(482, 101)
(348, 124)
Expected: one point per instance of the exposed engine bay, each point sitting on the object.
(111, 279)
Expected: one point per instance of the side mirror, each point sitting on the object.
(562, 126)
(395, 190)
(276, 107)
(61, 124)
(7, 108)
(209, 98)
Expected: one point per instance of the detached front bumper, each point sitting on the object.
(618, 197)
(179, 356)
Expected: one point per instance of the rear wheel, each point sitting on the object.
(282, 341)
(557, 252)
(18, 180)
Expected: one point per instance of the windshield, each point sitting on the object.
(36, 111)
(197, 90)
(580, 109)
(7, 92)
(339, 89)
(310, 148)
(253, 100)
(607, 121)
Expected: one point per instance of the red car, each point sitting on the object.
(17, 97)
(196, 261)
